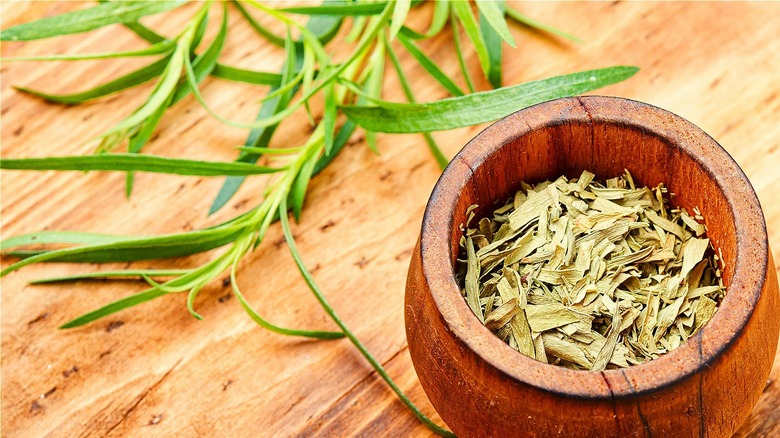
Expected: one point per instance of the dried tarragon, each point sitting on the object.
(588, 275)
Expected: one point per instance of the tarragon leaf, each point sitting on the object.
(205, 62)
(430, 66)
(134, 162)
(138, 248)
(373, 85)
(127, 273)
(329, 115)
(441, 12)
(86, 19)
(459, 52)
(528, 21)
(341, 139)
(157, 49)
(493, 41)
(139, 138)
(237, 74)
(693, 254)
(544, 317)
(257, 26)
(159, 96)
(606, 352)
(493, 12)
(400, 11)
(116, 306)
(472, 280)
(471, 26)
(355, 341)
(60, 237)
(299, 186)
(476, 108)
(501, 316)
(441, 159)
(338, 9)
(125, 82)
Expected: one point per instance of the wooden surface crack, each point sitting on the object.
(335, 407)
(590, 125)
(639, 412)
(612, 397)
(136, 401)
(702, 429)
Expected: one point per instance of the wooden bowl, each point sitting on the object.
(706, 387)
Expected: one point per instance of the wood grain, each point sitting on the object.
(161, 372)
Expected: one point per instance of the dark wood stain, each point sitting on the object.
(114, 325)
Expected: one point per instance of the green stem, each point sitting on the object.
(528, 21)
(260, 29)
(129, 273)
(459, 51)
(441, 159)
(242, 248)
(355, 341)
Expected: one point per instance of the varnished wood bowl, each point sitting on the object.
(705, 388)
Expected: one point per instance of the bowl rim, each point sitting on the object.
(701, 350)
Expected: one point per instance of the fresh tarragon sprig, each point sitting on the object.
(352, 87)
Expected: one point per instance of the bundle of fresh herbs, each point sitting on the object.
(589, 275)
(352, 87)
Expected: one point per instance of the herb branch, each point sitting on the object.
(352, 87)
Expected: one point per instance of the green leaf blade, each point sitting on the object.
(481, 107)
(469, 22)
(329, 118)
(493, 12)
(161, 94)
(99, 275)
(441, 159)
(205, 62)
(298, 189)
(464, 69)
(494, 46)
(325, 27)
(134, 162)
(157, 49)
(138, 248)
(430, 66)
(237, 74)
(441, 13)
(257, 26)
(85, 20)
(535, 24)
(60, 237)
(114, 307)
(338, 9)
(261, 137)
(144, 32)
(122, 83)
(400, 11)
(139, 139)
(340, 140)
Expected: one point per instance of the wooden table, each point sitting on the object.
(155, 371)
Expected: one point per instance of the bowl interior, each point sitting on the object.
(605, 136)
(606, 149)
